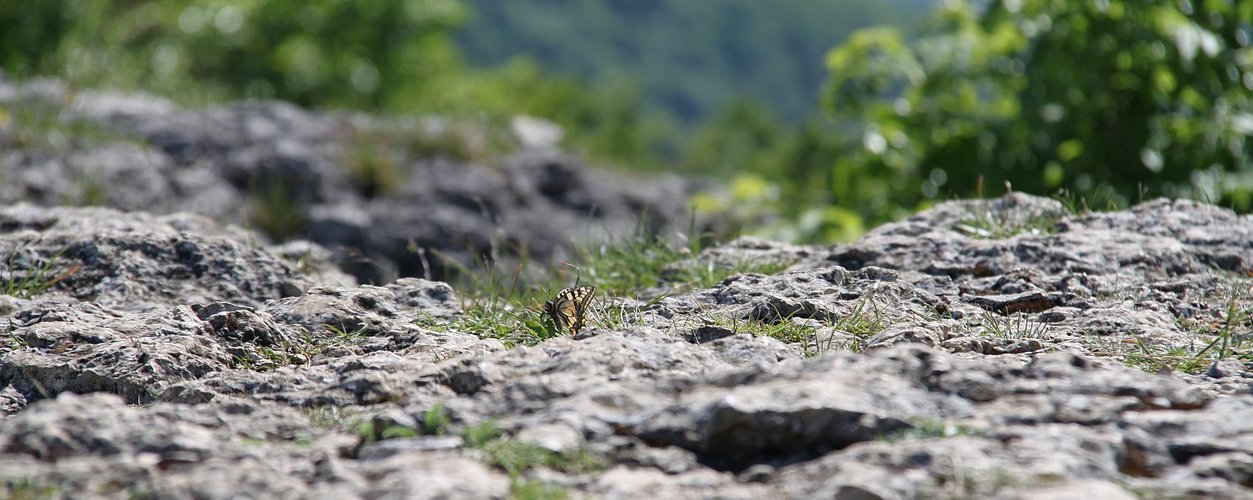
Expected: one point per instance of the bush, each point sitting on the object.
(1152, 97)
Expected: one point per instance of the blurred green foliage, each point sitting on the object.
(689, 58)
(1147, 97)
(1099, 102)
(328, 53)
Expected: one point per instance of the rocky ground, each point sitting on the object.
(1003, 348)
(388, 197)
(169, 356)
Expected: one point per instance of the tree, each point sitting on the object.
(1147, 97)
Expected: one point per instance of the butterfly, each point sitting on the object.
(569, 308)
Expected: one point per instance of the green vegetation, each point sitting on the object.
(526, 489)
(34, 125)
(1226, 338)
(861, 321)
(516, 457)
(784, 330)
(1144, 97)
(511, 307)
(373, 170)
(273, 211)
(27, 489)
(642, 260)
(689, 59)
(26, 280)
(435, 421)
(1102, 98)
(370, 431)
(500, 308)
(1016, 327)
(930, 429)
(397, 57)
(377, 155)
(341, 335)
(985, 223)
(330, 416)
(262, 358)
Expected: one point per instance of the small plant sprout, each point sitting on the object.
(1016, 327)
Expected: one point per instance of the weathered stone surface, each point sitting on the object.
(301, 173)
(989, 349)
(98, 445)
(330, 346)
(136, 261)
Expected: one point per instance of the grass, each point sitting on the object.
(340, 335)
(373, 169)
(517, 457)
(13, 341)
(1228, 342)
(986, 223)
(455, 142)
(989, 224)
(527, 489)
(369, 431)
(272, 210)
(1228, 338)
(91, 191)
(36, 280)
(330, 416)
(1102, 196)
(1017, 327)
(503, 306)
(435, 421)
(27, 489)
(861, 322)
(864, 321)
(376, 156)
(929, 429)
(265, 358)
(644, 260)
(785, 330)
(46, 127)
(493, 310)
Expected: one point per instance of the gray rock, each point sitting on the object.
(429, 476)
(1077, 489)
(992, 348)
(299, 173)
(136, 261)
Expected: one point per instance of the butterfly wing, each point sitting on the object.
(569, 308)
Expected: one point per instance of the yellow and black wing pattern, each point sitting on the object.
(569, 308)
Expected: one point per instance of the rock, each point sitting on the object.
(624, 482)
(894, 336)
(398, 197)
(429, 476)
(1080, 488)
(136, 261)
(790, 418)
(554, 438)
(535, 133)
(990, 348)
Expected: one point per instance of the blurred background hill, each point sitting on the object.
(689, 59)
(835, 114)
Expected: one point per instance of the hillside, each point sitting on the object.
(689, 59)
